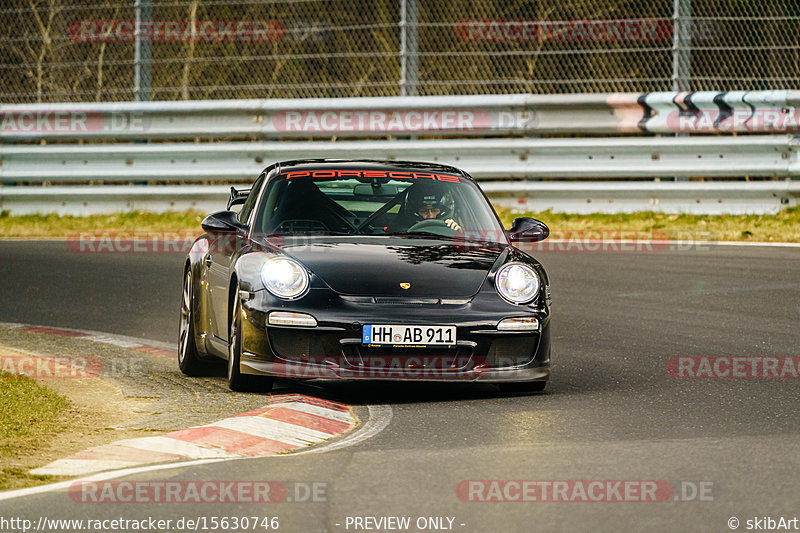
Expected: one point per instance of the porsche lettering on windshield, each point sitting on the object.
(371, 174)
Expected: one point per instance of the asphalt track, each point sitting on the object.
(612, 412)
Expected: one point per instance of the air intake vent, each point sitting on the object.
(405, 301)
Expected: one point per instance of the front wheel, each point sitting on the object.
(236, 380)
(189, 360)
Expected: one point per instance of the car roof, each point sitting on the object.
(366, 164)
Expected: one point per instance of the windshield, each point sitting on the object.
(345, 202)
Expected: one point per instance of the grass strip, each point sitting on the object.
(782, 227)
(29, 415)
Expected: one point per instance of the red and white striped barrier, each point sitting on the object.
(289, 422)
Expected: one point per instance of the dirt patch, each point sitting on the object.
(97, 408)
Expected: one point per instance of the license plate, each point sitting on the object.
(409, 335)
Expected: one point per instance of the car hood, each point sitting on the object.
(376, 266)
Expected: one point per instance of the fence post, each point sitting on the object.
(681, 45)
(409, 32)
(141, 55)
(681, 51)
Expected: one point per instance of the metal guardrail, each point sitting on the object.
(609, 197)
(736, 198)
(90, 200)
(315, 117)
(483, 115)
(496, 141)
(583, 158)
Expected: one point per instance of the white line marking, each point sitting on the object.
(108, 337)
(722, 243)
(34, 239)
(728, 243)
(291, 434)
(11, 494)
(671, 243)
(76, 467)
(379, 418)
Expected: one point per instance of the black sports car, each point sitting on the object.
(366, 270)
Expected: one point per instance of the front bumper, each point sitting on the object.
(333, 349)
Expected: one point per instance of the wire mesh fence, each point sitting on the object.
(121, 50)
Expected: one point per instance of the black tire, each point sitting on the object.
(236, 380)
(189, 360)
(524, 386)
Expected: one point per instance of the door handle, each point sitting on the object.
(208, 260)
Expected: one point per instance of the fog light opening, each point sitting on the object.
(527, 323)
(284, 318)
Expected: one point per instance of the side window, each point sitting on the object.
(247, 208)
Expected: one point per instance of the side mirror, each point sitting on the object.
(223, 222)
(526, 229)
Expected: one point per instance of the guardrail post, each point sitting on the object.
(681, 45)
(141, 57)
(681, 51)
(409, 33)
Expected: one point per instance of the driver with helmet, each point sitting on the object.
(423, 203)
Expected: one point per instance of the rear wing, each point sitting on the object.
(238, 196)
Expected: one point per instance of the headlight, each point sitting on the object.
(517, 283)
(284, 278)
